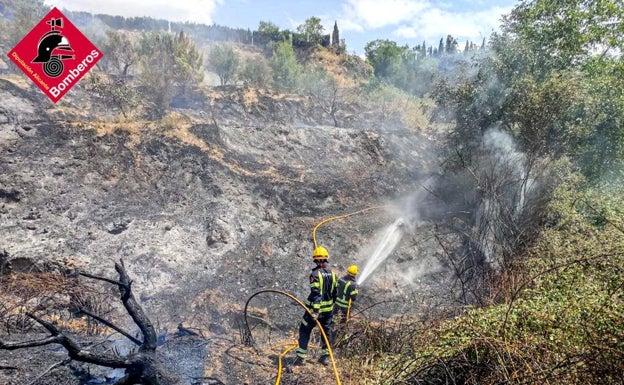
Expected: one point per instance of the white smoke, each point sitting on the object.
(504, 183)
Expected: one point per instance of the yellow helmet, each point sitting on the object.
(320, 253)
(352, 270)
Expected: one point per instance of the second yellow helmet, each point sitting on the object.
(352, 270)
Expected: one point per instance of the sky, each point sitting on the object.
(407, 22)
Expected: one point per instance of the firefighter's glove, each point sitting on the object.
(315, 316)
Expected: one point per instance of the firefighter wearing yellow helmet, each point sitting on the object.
(347, 292)
(323, 283)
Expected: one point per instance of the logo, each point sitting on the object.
(55, 55)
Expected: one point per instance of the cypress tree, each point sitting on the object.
(335, 36)
(451, 44)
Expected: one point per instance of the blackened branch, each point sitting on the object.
(97, 277)
(73, 348)
(135, 310)
(112, 326)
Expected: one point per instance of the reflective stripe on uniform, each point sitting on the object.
(324, 306)
(342, 301)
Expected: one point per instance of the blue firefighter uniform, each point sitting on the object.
(323, 284)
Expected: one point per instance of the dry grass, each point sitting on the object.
(332, 63)
(52, 296)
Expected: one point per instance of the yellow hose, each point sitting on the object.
(341, 217)
(329, 349)
(279, 362)
(294, 345)
(348, 311)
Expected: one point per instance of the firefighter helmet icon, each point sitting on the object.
(48, 49)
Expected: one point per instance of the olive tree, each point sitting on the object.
(170, 65)
(224, 61)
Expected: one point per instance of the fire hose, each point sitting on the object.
(341, 217)
(329, 349)
(291, 347)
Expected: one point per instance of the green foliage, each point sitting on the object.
(312, 29)
(170, 64)
(582, 39)
(562, 321)
(270, 30)
(286, 69)
(120, 53)
(549, 82)
(388, 100)
(601, 153)
(224, 62)
(561, 33)
(391, 62)
(451, 45)
(426, 75)
(542, 116)
(116, 92)
(187, 68)
(23, 17)
(335, 37)
(255, 72)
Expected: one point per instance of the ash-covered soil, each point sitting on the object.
(208, 209)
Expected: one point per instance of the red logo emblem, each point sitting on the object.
(55, 55)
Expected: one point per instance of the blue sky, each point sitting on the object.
(359, 21)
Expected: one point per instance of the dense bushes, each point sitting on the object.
(562, 320)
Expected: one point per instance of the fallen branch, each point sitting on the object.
(142, 366)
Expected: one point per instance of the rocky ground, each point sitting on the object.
(207, 208)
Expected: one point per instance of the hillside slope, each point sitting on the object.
(210, 205)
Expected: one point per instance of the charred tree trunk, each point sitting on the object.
(142, 367)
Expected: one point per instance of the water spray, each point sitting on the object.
(388, 241)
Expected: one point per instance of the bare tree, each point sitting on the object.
(327, 94)
(142, 366)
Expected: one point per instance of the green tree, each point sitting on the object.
(451, 45)
(545, 37)
(255, 72)
(170, 65)
(120, 53)
(270, 30)
(25, 14)
(335, 36)
(549, 109)
(384, 56)
(113, 92)
(286, 69)
(224, 62)
(391, 62)
(312, 29)
(188, 68)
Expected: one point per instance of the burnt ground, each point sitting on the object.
(207, 208)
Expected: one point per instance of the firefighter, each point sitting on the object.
(323, 283)
(347, 292)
